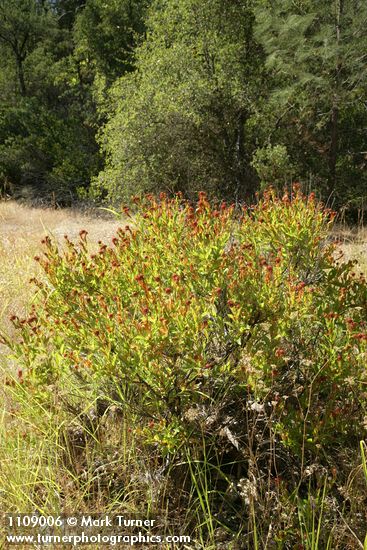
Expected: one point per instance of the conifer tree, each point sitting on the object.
(317, 60)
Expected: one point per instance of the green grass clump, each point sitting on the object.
(207, 367)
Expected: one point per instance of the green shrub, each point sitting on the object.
(224, 334)
(272, 163)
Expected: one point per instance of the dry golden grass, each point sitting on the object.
(21, 230)
(354, 245)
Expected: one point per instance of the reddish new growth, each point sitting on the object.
(300, 286)
(209, 366)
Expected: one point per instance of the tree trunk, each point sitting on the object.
(333, 151)
(239, 154)
(334, 118)
(20, 74)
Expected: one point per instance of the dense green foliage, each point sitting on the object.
(232, 344)
(178, 122)
(55, 58)
(183, 95)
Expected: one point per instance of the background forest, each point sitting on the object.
(111, 98)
